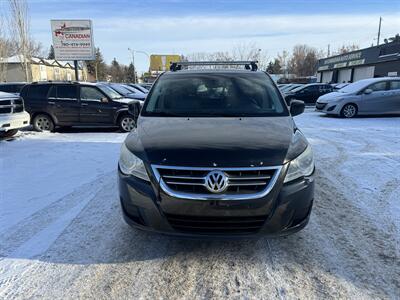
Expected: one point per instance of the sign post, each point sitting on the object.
(73, 40)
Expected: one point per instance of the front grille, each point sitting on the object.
(5, 110)
(216, 225)
(320, 105)
(11, 106)
(182, 182)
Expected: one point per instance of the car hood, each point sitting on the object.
(207, 142)
(333, 96)
(124, 100)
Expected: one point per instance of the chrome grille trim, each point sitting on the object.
(165, 180)
(10, 106)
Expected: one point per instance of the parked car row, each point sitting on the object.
(64, 104)
(373, 96)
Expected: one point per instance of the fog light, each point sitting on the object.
(331, 108)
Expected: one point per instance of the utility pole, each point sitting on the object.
(379, 30)
(76, 70)
(329, 50)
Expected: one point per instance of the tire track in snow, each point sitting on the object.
(20, 233)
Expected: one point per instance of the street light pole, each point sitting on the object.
(133, 63)
(133, 59)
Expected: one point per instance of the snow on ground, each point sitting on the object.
(61, 233)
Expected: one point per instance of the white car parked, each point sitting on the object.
(12, 114)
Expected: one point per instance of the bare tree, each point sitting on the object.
(345, 49)
(303, 61)
(4, 44)
(243, 52)
(283, 59)
(19, 24)
(251, 51)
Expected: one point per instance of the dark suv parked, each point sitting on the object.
(216, 153)
(309, 93)
(12, 87)
(75, 104)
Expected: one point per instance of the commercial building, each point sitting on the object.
(159, 63)
(39, 69)
(377, 61)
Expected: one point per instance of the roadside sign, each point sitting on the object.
(162, 62)
(73, 39)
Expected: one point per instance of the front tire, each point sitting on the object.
(349, 111)
(7, 134)
(43, 122)
(126, 123)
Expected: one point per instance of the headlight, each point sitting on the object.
(129, 164)
(302, 165)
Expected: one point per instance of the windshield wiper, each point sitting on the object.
(164, 114)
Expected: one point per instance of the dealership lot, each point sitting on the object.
(61, 233)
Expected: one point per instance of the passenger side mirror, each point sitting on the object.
(296, 107)
(104, 100)
(134, 109)
(368, 91)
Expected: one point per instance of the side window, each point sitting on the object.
(379, 86)
(37, 92)
(67, 92)
(395, 85)
(89, 93)
(52, 95)
(5, 88)
(323, 88)
(313, 88)
(306, 90)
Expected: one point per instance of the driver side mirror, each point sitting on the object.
(134, 109)
(368, 91)
(296, 107)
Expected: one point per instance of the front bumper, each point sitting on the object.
(14, 121)
(328, 108)
(286, 209)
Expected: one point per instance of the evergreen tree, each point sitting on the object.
(274, 67)
(51, 53)
(130, 74)
(116, 71)
(97, 66)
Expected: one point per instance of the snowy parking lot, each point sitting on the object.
(62, 235)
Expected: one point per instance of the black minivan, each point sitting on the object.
(216, 153)
(66, 104)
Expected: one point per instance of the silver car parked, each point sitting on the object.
(372, 96)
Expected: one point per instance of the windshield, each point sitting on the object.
(133, 90)
(353, 87)
(110, 92)
(292, 88)
(121, 89)
(299, 88)
(140, 88)
(214, 94)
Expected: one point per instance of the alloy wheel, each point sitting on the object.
(43, 123)
(127, 124)
(349, 111)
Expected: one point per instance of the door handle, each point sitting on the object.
(51, 102)
(84, 104)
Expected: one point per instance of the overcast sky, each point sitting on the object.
(187, 26)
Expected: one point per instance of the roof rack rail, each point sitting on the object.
(176, 66)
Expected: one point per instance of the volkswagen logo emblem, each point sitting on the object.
(216, 181)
